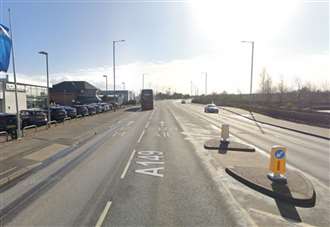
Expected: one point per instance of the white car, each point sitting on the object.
(211, 108)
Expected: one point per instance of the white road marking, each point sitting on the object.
(127, 165)
(151, 171)
(7, 171)
(130, 123)
(140, 138)
(162, 123)
(103, 214)
(147, 125)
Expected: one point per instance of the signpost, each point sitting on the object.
(277, 164)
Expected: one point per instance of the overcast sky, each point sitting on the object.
(173, 42)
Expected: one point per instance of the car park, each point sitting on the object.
(91, 109)
(33, 117)
(81, 110)
(70, 111)
(8, 124)
(211, 108)
(57, 113)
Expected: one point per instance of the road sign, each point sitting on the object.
(278, 160)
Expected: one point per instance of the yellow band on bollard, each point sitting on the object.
(278, 160)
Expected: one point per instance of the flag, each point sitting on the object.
(5, 48)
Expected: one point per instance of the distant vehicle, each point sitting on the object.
(98, 108)
(147, 99)
(33, 117)
(81, 110)
(8, 124)
(105, 106)
(70, 111)
(91, 109)
(57, 113)
(183, 101)
(211, 108)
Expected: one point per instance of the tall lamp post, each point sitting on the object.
(251, 79)
(48, 104)
(106, 84)
(205, 73)
(114, 66)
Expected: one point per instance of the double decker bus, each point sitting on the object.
(147, 99)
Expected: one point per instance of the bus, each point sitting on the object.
(147, 99)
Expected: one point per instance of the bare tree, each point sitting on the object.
(282, 88)
(266, 85)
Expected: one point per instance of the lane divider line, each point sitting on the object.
(103, 214)
(7, 171)
(147, 125)
(140, 138)
(127, 165)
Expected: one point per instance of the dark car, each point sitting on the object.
(33, 117)
(81, 110)
(57, 113)
(98, 108)
(211, 108)
(8, 124)
(70, 111)
(183, 101)
(91, 109)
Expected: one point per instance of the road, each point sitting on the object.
(142, 171)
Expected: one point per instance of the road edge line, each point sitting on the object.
(103, 214)
(128, 164)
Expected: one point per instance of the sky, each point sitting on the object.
(172, 42)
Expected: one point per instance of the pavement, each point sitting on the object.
(149, 168)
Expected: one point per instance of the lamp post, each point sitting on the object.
(48, 104)
(252, 55)
(106, 84)
(18, 119)
(205, 73)
(114, 66)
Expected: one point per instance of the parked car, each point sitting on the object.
(183, 101)
(81, 110)
(98, 107)
(91, 109)
(106, 107)
(211, 108)
(33, 117)
(57, 113)
(70, 111)
(8, 124)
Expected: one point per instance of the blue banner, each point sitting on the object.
(5, 48)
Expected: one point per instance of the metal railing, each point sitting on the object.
(4, 133)
(29, 127)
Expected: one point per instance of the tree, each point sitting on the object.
(282, 88)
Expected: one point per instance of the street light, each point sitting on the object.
(205, 73)
(48, 104)
(114, 66)
(106, 84)
(252, 54)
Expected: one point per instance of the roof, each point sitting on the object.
(73, 86)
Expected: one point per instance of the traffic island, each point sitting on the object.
(296, 189)
(224, 144)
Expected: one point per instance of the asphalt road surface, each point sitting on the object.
(142, 172)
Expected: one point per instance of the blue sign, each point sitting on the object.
(279, 154)
(5, 48)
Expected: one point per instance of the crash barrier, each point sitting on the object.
(49, 123)
(66, 119)
(277, 163)
(4, 133)
(29, 127)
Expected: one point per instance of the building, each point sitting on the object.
(74, 92)
(28, 95)
(123, 96)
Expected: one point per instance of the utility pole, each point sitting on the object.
(114, 67)
(251, 78)
(18, 124)
(47, 72)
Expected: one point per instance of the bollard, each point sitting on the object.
(277, 164)
(224, 132)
